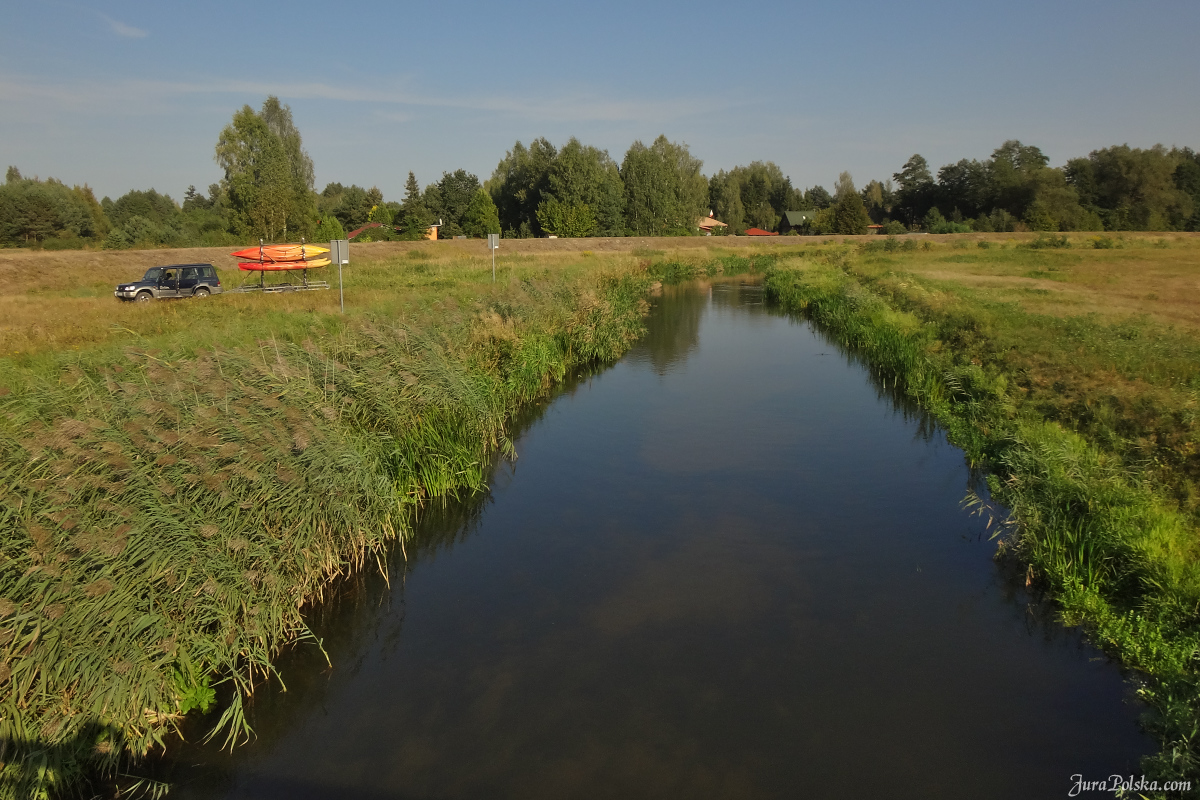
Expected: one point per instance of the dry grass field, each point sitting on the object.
(57, 300)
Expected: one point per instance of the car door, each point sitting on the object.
(188, 278)
(168, 284)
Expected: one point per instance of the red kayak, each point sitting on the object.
(281, 252)
(280, 266)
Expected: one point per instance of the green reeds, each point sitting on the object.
(169, 512)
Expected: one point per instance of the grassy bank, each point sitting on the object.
(1080, 400)
(184, 479)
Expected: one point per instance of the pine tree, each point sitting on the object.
(414, 218)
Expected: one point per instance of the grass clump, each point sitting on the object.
(679, 270)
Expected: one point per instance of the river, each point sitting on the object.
(730, 565)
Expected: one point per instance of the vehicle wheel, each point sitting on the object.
(144, 297)
(201, 292)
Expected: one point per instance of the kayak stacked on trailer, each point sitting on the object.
(284, 259)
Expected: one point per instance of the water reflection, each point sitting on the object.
(730, 566)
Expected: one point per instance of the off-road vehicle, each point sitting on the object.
(176, 280)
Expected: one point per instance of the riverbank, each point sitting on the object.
(1079, 398)
(184, 480)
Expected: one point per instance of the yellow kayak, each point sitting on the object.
(281, 252)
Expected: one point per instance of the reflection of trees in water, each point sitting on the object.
(737, 292)
(672, 329)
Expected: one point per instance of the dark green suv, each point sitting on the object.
(176, 280)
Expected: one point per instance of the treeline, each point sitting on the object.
(579, 190)
(267, 192)
(457, 203)
(1118, 188)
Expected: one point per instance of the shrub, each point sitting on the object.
(894, 228)
(935, 223)
(329, 229)
(1044, 242)
(116, 239)
(65, 243)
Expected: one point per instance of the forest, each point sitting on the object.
(577, 190)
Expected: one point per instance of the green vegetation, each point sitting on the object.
(753, 197)
(1083, 415)
(178, 489)
(268, 175)
(1114, 189)
(580, 191)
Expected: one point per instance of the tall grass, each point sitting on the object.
(169, 510)
(1118, 557)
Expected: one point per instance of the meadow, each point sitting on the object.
(182, 480)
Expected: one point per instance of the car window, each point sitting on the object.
(208, 272)
(153, 274)
(190, 273)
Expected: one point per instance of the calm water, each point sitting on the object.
(729, 566)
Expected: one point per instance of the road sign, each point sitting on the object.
(493, 245)
(339, 253)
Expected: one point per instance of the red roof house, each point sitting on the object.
(759, 232)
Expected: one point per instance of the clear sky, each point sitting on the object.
(132, 95)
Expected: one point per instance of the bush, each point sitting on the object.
(1044, 242)
(329, 229)
(894, 228)
(116, 240)
(140, 230)
(934, 222)
(984, 245)
(65, 243)
(1103, 242)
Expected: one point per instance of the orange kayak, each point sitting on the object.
(279, 266)
(281, 252)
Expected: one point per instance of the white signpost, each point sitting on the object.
(339, 253)
(493, 245)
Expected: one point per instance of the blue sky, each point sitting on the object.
(125, 95)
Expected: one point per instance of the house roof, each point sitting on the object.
(797, 218)
(759, 232)
(709, 222)
(357, 231)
